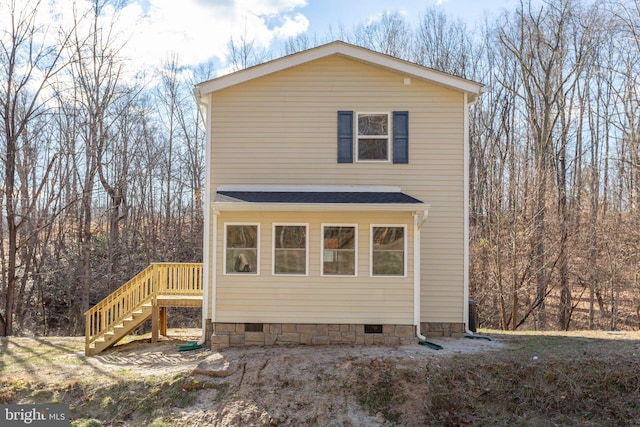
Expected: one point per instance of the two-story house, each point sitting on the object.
(336, 200)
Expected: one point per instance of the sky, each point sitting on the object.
(198, 31)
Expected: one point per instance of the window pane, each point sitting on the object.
(388, 238)
(373, 124)
(290, 261)
(291, 236)
(339, 237)
(337, 262)
(388, 263)
(242, 236)
(373, 149)
(242, 261)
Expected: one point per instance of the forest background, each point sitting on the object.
(102, 168)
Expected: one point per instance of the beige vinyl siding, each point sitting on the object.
(314, 298)
(282, 129)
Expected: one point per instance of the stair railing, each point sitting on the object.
(179, 278)
(156, 279)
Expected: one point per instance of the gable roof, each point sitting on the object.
(471, 88)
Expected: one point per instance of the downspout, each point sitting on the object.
(205, 111)
(211, 267)
(467, 151)
(418, 220)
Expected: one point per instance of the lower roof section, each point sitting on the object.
(315, 198)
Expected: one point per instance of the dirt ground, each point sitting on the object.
(140, 383)
(244, 386)
(306, 385)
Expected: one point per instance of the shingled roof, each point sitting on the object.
(314, 197)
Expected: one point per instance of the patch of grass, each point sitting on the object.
(377, 390)
(11, 389)
(86, 423)
(512, 390)
(143, 399)
(537, 381)
(43, 371)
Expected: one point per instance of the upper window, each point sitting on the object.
(241, 248)
(290, 249)
(373, 136)
(388, 251)
(339, 250)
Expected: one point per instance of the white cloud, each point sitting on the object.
(198, 30)
(291, 27)
(150, 32)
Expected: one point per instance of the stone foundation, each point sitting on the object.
(224, 335)
(234, 335)
(442, 329)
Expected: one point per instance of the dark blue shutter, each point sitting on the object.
(400, 137)
(345, 136)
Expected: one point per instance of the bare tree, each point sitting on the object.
(444, 44)
(96, 73)
(28, 65)
(299, 43)
(244, 52)
(389, 34)
(538, 39)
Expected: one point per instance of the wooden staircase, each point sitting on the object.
(145, 296)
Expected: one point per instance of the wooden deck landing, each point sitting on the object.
(159, 316)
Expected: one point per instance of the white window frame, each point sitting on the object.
(273, 247)
(406, 237)
(387, 137)
(224, 266)
(355, 249)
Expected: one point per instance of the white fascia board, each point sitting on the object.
(265, 69)
(414, 70)
(309, 188)
(319, 207)
(350, 51)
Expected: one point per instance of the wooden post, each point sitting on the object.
(163, 321)
(155, 321)
(87, 331)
